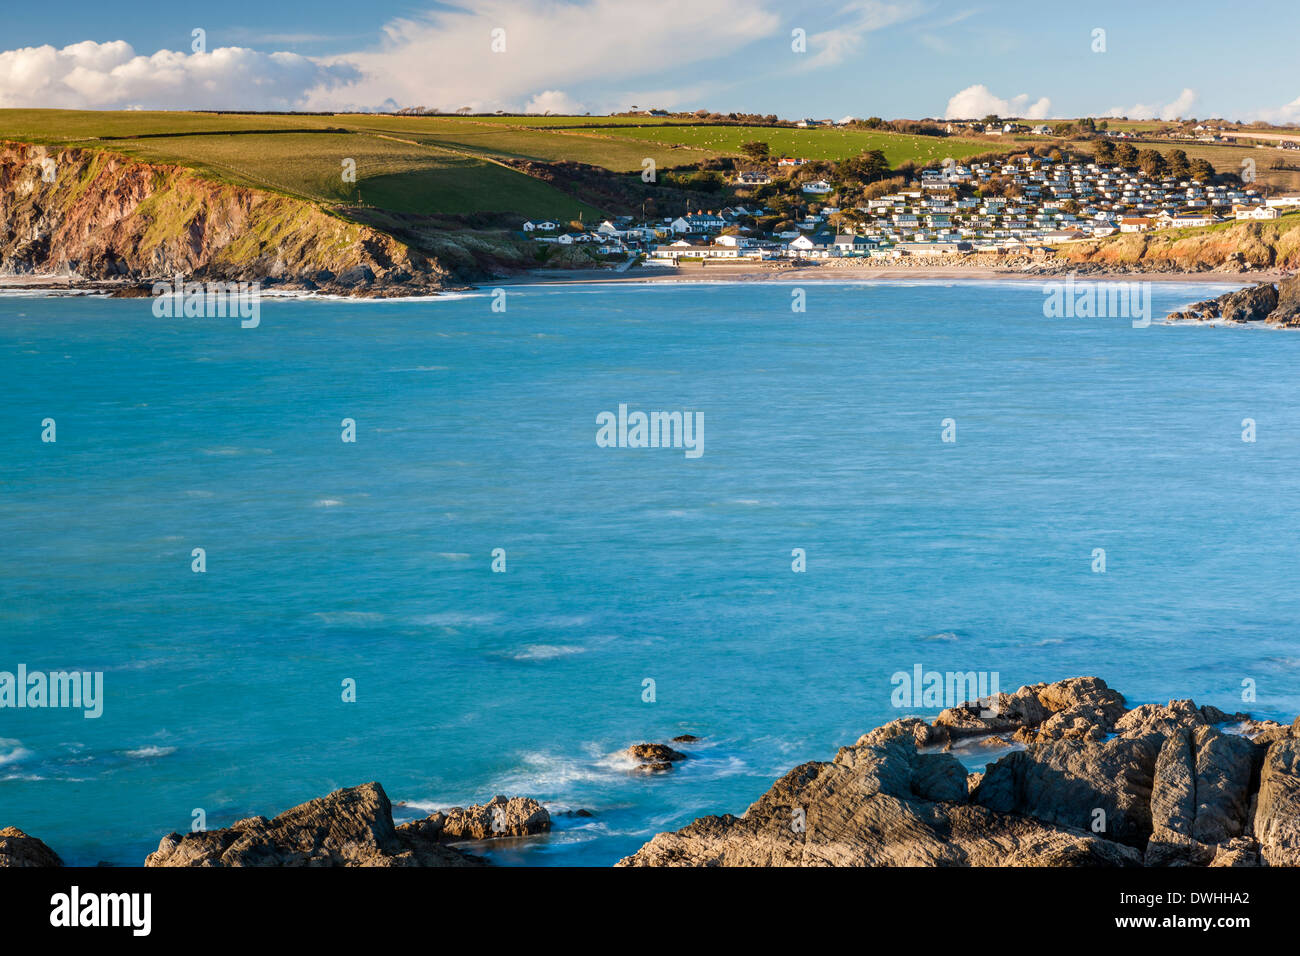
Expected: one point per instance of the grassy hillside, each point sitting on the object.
(832, 144)
(303, 156)
(439, 165)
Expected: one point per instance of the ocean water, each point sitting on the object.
(476, 430)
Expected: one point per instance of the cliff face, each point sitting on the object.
(1241, 246)
(107, 217)
(1087, 782)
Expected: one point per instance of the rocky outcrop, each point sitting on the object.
(19, 849)
(351, 827)
(653, 758)
(101, 216)
(499, 817)
(1090, 782)
(1230, 247)
(1275, 305)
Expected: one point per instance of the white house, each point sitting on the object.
(1257, 212)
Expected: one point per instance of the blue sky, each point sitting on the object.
(862, 57)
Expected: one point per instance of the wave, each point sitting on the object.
(348, 618)
(12, 751)
(148, 753)
(544, 652)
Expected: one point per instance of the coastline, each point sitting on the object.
(751, 272)
(1177, 784)
(825, 273)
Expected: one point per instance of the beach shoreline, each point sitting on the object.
(828, 273)
(726, 273)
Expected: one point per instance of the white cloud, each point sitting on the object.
(1283, 115)
(978, 101)
(856, 20)
(108, 75)
(554, 101)
(445, 59)
(1179, 107)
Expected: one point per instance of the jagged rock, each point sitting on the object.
(880, 803)
(686, 739)
(1200, 797)
(1287, 312)
(499, 817)
(1249, 305)
(1095, 784)
(19, 849)
(1277, 813)
(1077, 708)
(350, 827)
(1067, 781)
(653, 758)
(1240, 851)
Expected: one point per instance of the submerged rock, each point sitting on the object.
(19, 849)
(1096, 784)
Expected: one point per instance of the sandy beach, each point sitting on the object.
(829, 272)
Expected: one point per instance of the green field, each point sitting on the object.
(303, 156)
(431, 165)
(831, 144)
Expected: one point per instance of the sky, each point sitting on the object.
(888, 58)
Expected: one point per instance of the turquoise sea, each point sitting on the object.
(476, 430)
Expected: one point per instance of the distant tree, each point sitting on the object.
(1151, 162)
(1125, 154)
(1105, 151)
(1201, 170)
(756, 150)
(873, 122)
(864, 168)
(991, 118)
(1178, 165)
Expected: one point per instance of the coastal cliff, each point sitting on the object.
(98, 216)
(1084, 781)
(1237, 246)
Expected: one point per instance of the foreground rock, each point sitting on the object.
(499, 817)
(1274, 305)
(350, 827)
(19, 849)
(1092, 783)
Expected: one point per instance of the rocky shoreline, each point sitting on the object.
(1075, 777)
(1267, 303)
(1087, 781)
